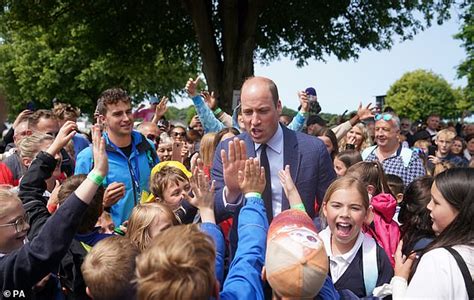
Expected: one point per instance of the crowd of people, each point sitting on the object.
(248, 205)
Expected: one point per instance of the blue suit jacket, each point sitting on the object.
(310, 165)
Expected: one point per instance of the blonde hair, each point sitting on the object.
(366, 139)
(6, 197)
(141, 218)
(109, 269)
(162, 179)
(31, 145)
(179, 264)
(206, 149)
(446, 133)
(422, 144)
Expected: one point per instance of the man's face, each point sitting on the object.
(118, 119)
(151, 132)
(259, 113)
(48, 126)
(198, 127)
(405, 125)
(444, 144)
(433, 122)
(386, 134)
(21, 131)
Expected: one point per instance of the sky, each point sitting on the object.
(341, 85)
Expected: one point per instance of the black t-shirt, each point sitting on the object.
(127, 150)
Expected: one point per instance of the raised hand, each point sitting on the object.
(113, 193)
(203, 193)
(191, 87)
(209, 99)
(365, 112)
(289, 186)
(101, 162)
(232, 163)
(252, 178)
(21, 116)
(161, 108)
(304, 101)
(65, 134)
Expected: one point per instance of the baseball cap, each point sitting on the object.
(311, 91)
(296, 261)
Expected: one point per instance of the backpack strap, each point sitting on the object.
(464, 270)
(369, 264)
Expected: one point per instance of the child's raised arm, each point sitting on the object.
(289, 187)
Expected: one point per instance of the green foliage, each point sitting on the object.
(417, 94)
(288, 111)
(466, 68)
(74, 49)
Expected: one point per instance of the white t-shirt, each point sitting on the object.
(438, 276)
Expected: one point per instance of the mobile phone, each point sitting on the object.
(176, 152)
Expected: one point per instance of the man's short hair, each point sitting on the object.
(111, 96)
(270, 84)
(178, 264)
(65, 111)
(109, 269)
(35, 117)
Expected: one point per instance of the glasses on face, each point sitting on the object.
(176, 134)
(385, 117)
(20, 224)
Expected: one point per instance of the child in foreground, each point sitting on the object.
(357, 262)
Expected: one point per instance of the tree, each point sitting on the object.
(419, 93)
(228, 35)
(466, 68)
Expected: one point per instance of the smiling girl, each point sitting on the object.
(438, 273)
(357, 263)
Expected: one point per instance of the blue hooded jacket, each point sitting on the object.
(133, 171)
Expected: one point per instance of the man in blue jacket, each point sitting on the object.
(131, 155)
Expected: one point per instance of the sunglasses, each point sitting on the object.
(178, 133)
(20, 224)
(153, 138)
(385, 117)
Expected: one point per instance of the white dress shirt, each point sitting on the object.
(275, 158)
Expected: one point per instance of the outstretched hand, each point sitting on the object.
(304, 101)
(252, 178)
(203, 193)
(65, 134)
(191, 87)
(366, 112)
(101, 162)
(161, 107)
(210, 99)
(289, 187)
(232, 163)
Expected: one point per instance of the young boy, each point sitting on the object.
(170, 185)
(444, 140)
(109, 269)
(185, 267)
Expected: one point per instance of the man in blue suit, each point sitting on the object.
(310, 163)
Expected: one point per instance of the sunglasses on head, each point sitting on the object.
(385, 117)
